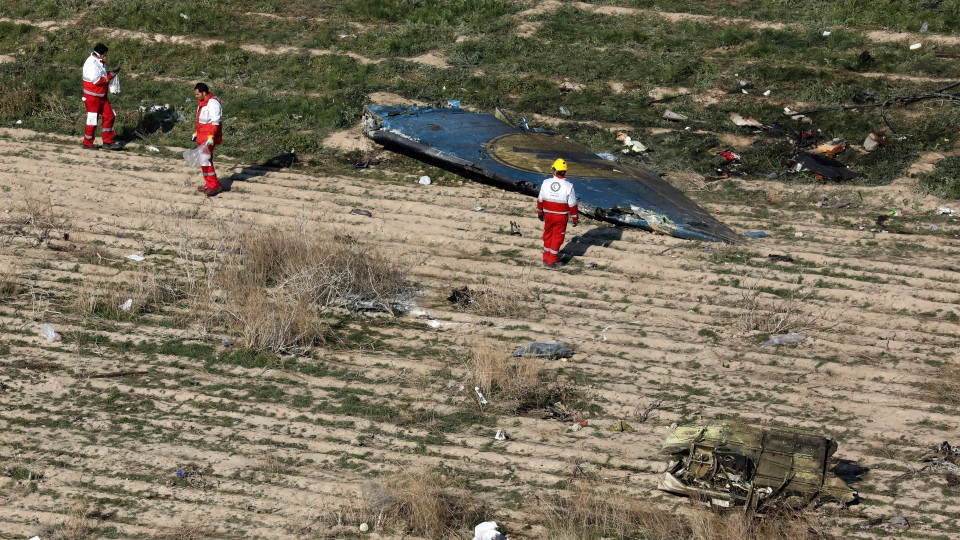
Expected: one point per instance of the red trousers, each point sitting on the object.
(209, 173)
(554, 229)
(98, 107)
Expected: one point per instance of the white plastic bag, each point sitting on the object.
(197, 156)
(115, 84)
(46, 330)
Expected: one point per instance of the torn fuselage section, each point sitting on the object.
(487, 148)
(735, 465)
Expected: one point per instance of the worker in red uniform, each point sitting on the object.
(210, 133)
(556, 202)
(96, 82)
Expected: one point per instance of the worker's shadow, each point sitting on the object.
(598, 236)
(276, 163)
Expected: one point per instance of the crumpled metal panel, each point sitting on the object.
(742, 464)
(483, 147)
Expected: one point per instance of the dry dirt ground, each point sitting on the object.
(657, 322)
(664, 332)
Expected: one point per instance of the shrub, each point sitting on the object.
(272, 287)
(517, 383)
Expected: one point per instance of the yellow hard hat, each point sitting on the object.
(560, 165)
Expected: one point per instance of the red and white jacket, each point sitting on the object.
(96, 78)
(209, 116)
(557, 197)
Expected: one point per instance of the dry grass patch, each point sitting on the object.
(590, 509)
(944, 389)
(778, 525)
(515, 383)
(424, 502)
(42, 216)
(276, 288)
(140, 291)
(78, 524)
(506, 300)
(9, 281)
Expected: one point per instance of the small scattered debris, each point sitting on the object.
(548, 349)
(631, 145)
(675, 117)
(184, 16)
(46, 330)
(874, 140)
(488, 530)
(361, 212)
(483, 400)
(564, 111)
(831, 149)
(425, 180)
(796, 116)
(364, 527)
(821, 166)
(478, 209)
(916, 46)
(755, 234)
(153, 149)
(515, 229)
(501, 435)
(127, 306)
(462, 297)
(780, 258)
(944, 210)
(135, 257)
(744, 122)
(621, 426)
(896, 523)
(840, 203)
(567, 86)
(783, 339)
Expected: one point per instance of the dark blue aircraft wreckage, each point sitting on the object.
(488, 148)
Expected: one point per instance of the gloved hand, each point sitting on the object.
(540, 217)
(209, 141)
(576, 222)
(193, 137)
(116, 71)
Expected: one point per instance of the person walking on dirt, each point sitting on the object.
(556, 202)
(209, 133)
(96, 83)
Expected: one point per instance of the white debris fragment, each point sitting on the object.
(135, 257)
(483, 400)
